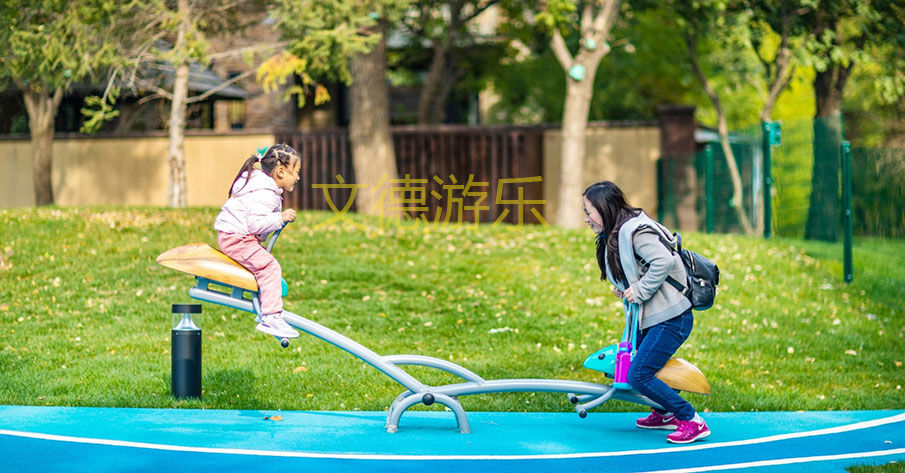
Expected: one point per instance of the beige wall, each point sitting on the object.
(126, 171)
(625, 155)
(133, 170)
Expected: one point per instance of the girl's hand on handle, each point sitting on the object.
(288, 215)
(617, 293)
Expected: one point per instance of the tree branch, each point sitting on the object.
(561, 51)
(57, 97)
(478, 10)
(692, 44)
(605, 19)
(255, 48)
(150, 86)
(220, 87)
(148, 98)
(778, 82)
(587, 19)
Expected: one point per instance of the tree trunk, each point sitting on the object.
(373, 156)
(42, 111)
(176, 196)
(738, 204)
(574, 124)
(723, 130)
(430, 93)
(824, 215)
(595, 29)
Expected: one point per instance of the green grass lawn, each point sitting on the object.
(85, 316)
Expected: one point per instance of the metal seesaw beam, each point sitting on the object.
(585, 395)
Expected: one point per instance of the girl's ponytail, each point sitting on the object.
(247, 166)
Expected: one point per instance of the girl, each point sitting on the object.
(252, 211)
(632, 256)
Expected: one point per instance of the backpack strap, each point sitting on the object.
(676, 284)
(668, 244)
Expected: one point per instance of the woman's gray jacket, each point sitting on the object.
(660, 302)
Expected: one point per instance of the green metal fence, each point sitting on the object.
(716, 188)
(878, 221)
(793, 182)
(842, 202)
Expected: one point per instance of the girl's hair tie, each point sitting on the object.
(261, 152)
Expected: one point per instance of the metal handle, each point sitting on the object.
(274, 236)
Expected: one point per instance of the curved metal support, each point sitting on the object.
(582, 409)
(397, 409)
(454, 405)
(432, 362)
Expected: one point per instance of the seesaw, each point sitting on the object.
(220, 280)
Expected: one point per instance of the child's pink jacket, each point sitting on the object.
(253, 210)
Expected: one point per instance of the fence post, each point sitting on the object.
(847, 210)
(767, 149)
(708, 188)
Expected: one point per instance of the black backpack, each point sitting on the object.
(703, 276)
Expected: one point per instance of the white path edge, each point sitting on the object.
(357, 456)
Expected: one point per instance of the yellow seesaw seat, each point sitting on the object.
(202, 260)
(684, 376)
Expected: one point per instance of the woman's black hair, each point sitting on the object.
(277, 154)
(609, 201)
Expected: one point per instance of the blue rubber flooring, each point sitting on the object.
(115, 439)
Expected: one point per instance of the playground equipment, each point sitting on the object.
(220, 280)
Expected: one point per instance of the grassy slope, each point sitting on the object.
(84, 316)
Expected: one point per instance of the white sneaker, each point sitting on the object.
(273, 324)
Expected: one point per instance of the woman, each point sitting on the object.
(631, 253)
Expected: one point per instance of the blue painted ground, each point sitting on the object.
(111, 439)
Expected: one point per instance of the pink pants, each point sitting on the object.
(248, 252)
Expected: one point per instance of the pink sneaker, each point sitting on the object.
(689, 431)
(658, 421)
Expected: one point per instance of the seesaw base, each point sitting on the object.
(584, 395)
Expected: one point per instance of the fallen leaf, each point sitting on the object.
(274, 418)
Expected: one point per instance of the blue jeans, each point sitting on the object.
(656, 345)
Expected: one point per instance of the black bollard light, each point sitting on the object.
(186, 351)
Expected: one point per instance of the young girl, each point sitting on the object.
(632, 256)
(252, 211)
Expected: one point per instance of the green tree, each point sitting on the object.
(155, 43)
(346, 41)
(594, 20)
(775, 32)
(843, 33)
(641, 73)
(722, 30)
(51, 44)
(445, 25)
(578, 34)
